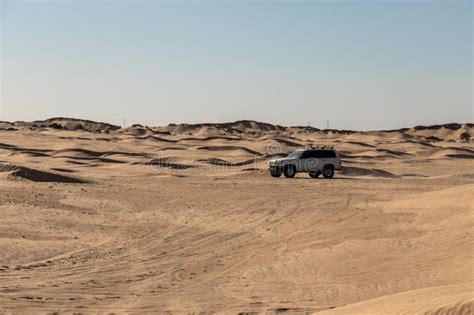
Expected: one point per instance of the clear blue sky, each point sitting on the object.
(359, 64)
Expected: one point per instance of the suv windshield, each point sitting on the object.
(295, 154)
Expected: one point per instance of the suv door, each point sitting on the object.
(310, 163)
(328, 157)
(319, 156)
(300, 163)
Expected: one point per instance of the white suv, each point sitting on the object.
(315, 161)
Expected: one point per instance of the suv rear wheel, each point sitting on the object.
(314, 174)
(289, 171)
(328, 171)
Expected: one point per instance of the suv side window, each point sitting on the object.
(306, 155)
(318, 154)
(323, 154)
(314, 154)
(329, 154)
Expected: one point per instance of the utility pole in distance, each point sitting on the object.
(327, 124)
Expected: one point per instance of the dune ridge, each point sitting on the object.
(36, 175)
(443, 132)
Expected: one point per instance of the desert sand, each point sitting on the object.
(185, 218)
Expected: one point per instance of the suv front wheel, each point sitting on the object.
(289, 171)
(328, 171)
(275, 173)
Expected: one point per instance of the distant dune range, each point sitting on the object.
(235, 144)
(185, 218)
(451, 131)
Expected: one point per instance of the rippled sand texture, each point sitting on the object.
(185, 218)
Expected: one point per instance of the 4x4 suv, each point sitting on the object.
(315, 161)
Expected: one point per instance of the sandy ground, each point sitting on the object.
(141, 221)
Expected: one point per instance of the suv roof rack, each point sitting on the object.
(321, 146)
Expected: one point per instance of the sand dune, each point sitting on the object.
(444, 300)
(67, 124)
(38, 175)
(230, 148)
(358, 171)
(185, 219)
